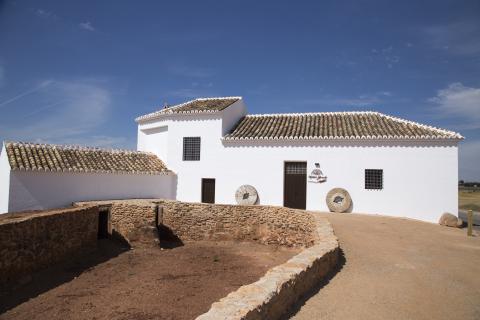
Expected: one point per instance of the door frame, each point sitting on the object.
(202, 191)
(306, 180)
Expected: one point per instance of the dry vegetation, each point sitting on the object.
(469, 200)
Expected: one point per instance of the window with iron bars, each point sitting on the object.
(296, 168)
(373, 179)
(191, 148)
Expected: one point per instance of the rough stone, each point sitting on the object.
(200, 221)
(449, 220)
(35, 240)
(272, 295)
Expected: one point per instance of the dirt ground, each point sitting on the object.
(398, 269)
(142, 283)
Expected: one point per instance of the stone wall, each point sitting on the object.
(200, 221)
(129, 219)
(282, 286)
(272, 295)
(31, 241)
(264, 224)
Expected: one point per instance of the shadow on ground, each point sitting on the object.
(298, 305)
(168, 239)
(47, 279)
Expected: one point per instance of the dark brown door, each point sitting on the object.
(295, 185)
(208, 190)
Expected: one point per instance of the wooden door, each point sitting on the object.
(208, 190)
(295, 185)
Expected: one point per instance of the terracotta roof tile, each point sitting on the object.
(200, 105)
(49, 157)
(333, 125)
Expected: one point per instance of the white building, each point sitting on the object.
(39, 176)
(388, 165)
(211, 147)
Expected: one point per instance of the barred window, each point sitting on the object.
(374, 179)
(296, 168)
(191, 148)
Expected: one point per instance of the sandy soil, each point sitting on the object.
(143, 283)
(399, 269)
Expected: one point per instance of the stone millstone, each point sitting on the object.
(338, 200)
(450, 220)
(246, 195)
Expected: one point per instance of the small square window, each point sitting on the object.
(191, 149)
(373, 179)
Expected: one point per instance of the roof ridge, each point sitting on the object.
(310, 113)
(76, 147)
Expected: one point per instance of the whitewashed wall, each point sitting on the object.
(4, 180)
(420, 178)
(154, 139)
(419, 181)
(45, 190)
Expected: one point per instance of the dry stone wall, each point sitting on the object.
(31, 241)
(274, 294)
(200, 221)
(264, 224)
(129, 219)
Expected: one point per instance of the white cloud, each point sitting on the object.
(459, 102)
(86, 26)
(460, 38)
(469, 158)
(42, 85)
(76, 109)
(45, 14)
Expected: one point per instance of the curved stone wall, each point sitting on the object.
(276, 292)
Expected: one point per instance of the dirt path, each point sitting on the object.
(399, 269)
(144, 283)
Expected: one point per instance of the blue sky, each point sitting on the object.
(79, 72)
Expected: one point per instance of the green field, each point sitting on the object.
(469, 200)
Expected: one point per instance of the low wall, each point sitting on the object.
(200, 221)
(128, 218)
(31, 241)
(275, 293)
(278, 290)
(264, 224)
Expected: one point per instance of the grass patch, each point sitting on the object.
(469, 200)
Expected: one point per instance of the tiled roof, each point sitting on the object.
(333, 125)
(49, 157)
(200, 105)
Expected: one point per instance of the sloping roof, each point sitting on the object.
(333, 125)
(200, 105)
(48, 157)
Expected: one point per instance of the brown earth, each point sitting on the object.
(398, 269)
(142, 283)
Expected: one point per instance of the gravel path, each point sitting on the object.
(399, 269)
